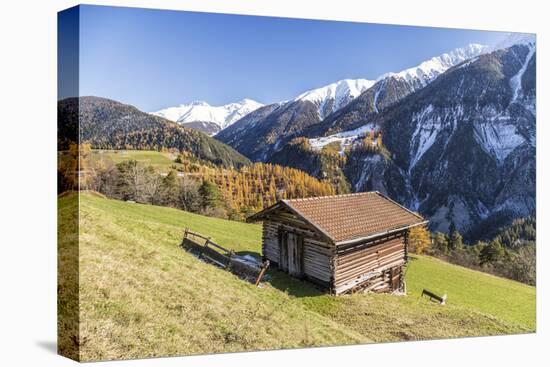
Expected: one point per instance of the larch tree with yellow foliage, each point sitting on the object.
(419, 240)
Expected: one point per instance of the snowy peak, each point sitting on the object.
(336, 95)
(340, 93)
(430, 69)
(222, 116)
(515, 39)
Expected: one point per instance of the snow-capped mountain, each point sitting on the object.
(390, 88)
(341, 106)
(334, 96)
(515, 39)
(461, 150)
(109, 124)
(428, 70)
(200, 111)
(458, 136)
(465, 145)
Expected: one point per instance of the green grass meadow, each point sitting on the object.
(511, 301)
(161, 161)
(141, 295)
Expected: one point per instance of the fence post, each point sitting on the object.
(231, 254)
(184, 238)
(202, 249)
(262, 272)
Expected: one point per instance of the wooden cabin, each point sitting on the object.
(342, 243)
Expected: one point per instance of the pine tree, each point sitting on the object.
(210, 195)
(491, 252)
(170, 189)
(441, 243)
(455, 241)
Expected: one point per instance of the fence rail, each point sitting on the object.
(208, 250)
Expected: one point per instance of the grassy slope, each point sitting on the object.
(512, 301)
(141, 295)
(161, 161)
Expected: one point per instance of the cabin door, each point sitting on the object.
(291, 253)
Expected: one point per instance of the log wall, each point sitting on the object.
(317, 260)
(270, 241)
(317, 254)
(374, 265)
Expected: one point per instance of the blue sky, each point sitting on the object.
(157, 58)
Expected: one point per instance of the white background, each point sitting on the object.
(28, 181)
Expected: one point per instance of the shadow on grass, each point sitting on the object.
(294, 287)
(311, 297)
(284, 282)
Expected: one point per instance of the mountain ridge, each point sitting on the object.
(200, 111)
(272, 132)
(109, 124)
(334, 96)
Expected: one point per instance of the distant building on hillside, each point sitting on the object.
(342, 243)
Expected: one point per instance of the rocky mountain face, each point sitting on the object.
(208, 127)
(344, 105)
(391, 88)
(268, 129)
(459, 146)
(325, 165)
(108, 124)
(264, 132)
(333, 97)
(201, 116)
(462, 148)
(457, 136)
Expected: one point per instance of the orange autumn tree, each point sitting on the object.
(419, 240)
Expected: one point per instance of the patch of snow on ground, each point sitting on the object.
(515, 81)
(498, 140)
(425, 134)
(482, 210)
(375, 100)
(346, 138)
(371, 160)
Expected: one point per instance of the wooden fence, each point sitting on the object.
(211, 252)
